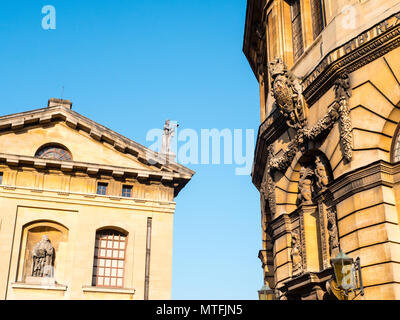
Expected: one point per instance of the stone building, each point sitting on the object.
(328, 150)
(84, 214)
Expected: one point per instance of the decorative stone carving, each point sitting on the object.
(322, 178)
(333, 233)
(287, 92)
(306, 185)
(295, 254)
(43, 259)
(268, 184)
(342, 87)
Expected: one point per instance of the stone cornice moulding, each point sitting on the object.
(366, 47)
(177, 180)
(98, 132)
(368, 177)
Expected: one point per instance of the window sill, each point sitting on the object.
(21, 285)
(108, 290)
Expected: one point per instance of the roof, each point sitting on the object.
(159, 166)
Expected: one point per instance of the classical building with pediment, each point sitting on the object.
(85, 212)
(327, 159)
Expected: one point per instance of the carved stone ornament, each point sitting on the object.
(288, 95)
(342, 86)
(295, 255)
(43, 259)
(287, 92)
(268, 184)
(333, 233)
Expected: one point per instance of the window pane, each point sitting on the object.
(54, 152)
(126, 191)
(102, 188)
(108, 266)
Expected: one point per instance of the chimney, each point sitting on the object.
(53, 102)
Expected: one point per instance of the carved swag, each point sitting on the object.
(289, 100)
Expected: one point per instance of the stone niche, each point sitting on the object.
(58, 237)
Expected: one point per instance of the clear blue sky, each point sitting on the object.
(132, 64)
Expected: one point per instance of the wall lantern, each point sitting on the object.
(266, 293)
(348, 275)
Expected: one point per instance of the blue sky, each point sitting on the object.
(130, 65)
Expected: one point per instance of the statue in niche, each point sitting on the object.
(321, 174)
(295, 255)
(333, 233)
(43, 259)
(306, 185)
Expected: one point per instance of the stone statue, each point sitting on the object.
(333, 233)
(295, 255)
(43, 259)
(169, 132)
(321, 174)
(288, 95)
(342, 86)
(306, 185)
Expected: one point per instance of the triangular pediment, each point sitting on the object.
(24, 133)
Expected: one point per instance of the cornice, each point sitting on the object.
(366, 47)
(177, 180)
(375, 174)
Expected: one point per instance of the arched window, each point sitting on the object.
(109, 259)
(56, 152)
